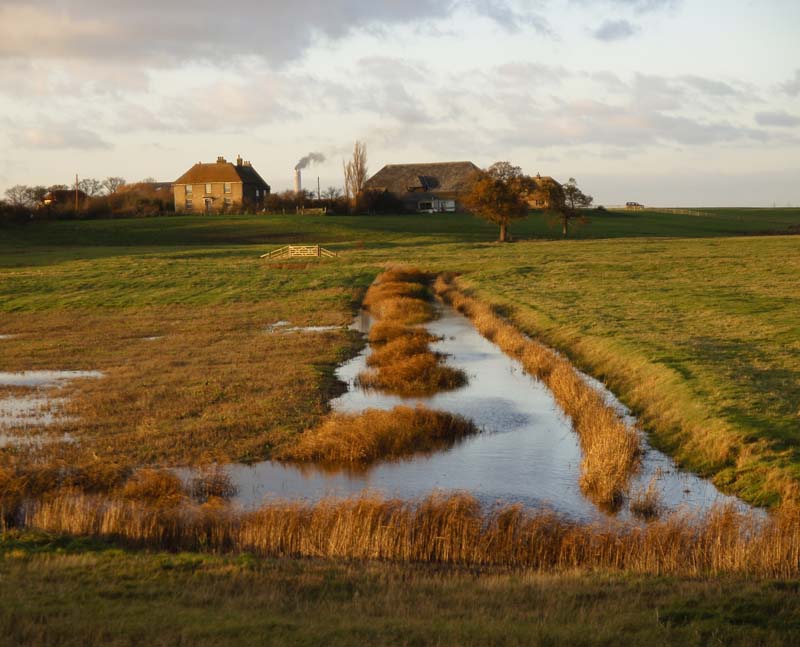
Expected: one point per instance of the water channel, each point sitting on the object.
(526, 452)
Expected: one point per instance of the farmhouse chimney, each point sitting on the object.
(239, 160)
(298, 181)
(220, 160)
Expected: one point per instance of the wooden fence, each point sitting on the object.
(300, 251)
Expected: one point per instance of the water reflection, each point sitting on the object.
(527, 452)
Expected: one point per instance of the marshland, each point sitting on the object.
(194, 395)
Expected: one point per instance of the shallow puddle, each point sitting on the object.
(284, 328)
(45, 379)
(527, 452)
(37, 407)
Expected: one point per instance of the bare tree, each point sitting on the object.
(112, 184)
(18, 195)
(355, 172)
(90, 186)
(332, 193)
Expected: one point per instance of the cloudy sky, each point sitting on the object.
(669, 102)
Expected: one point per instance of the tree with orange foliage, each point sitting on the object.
(500, 194)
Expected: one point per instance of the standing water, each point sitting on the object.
(527, 452)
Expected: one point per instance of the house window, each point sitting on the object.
(208, 188)
(189, 204)
(258, 193)
(227, 187)
(188, 190)
(228, 202)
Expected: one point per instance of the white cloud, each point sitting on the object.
(47, 134)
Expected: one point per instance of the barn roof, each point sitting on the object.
(433, 177)
(222, 171)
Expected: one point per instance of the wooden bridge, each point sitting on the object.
(300, 251)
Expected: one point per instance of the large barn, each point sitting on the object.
(430, 188)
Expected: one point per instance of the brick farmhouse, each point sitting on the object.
(219, 187)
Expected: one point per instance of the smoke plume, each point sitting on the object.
(311, 158)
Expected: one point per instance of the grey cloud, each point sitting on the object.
(385, 67)
(710, 86)
(56, 135)
(638, 6)
(779, 119)
(644, 6)
(508, 16)
(612, 30)
(168, 33)
(792, 87)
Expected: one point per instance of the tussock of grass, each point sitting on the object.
(154, 486)
(443, 529)
(417, 375)
(646, 502)
(398, 349)
(403, 363)
(382, 332)
(364, 438)
(611, 450)
(212, 483)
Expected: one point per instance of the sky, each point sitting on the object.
(665, 102)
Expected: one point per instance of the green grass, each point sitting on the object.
(75, 592)
(699, 331)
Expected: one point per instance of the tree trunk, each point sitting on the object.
(503, 233)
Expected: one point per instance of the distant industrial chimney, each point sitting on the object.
(239, 160)
(298, 181)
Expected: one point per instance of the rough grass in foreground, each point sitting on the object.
(78, 593)
(360, 439)
(449, 529)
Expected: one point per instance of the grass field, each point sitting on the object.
(78, 592)
(693, 321)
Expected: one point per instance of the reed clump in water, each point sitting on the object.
(645, 503)
(361, 439)
(155, 487)
(452, 529)
(611, 449)
(402, 362)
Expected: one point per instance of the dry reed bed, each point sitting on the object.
(361, 439)
(402, 362)
(611, 449)
(450, 529)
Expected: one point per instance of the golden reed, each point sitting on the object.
(402, 362)
(450, 529)
(363, 438)
(611, 449)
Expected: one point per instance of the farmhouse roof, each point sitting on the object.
(222, 171)
(445, 177)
